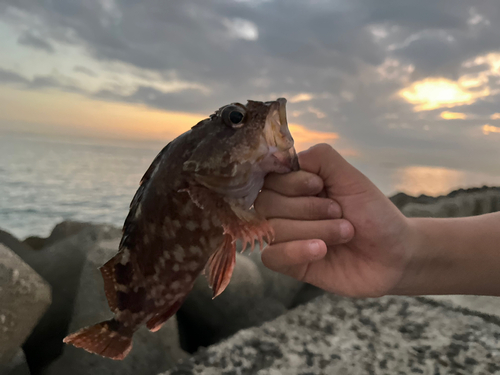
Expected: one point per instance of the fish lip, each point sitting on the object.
(284, 151)
(288, 160)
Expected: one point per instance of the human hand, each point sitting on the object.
(334, 228)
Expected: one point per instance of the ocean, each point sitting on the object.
(44, 181)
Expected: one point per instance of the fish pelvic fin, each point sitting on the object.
(107, 339)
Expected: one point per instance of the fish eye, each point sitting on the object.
(236, 117)
(233, 116)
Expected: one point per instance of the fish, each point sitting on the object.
(193, 204)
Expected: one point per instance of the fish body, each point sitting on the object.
(193, 203)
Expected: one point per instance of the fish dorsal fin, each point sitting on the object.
(220, 266)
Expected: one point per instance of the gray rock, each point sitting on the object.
(17, 366)
(67, 229)
(15, 245)
(204, 321)
(277, 286)
(306, 294)
(151, 352)
(459, 203)
(481, 304)
(60, 265)
(25, 297)
(35, 242)
(333, 335)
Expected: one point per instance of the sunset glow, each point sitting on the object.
(432, 93)
(415, 180)
(487, 129)
(453, 115)
(305, 138)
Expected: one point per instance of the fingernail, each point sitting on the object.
(314, 248)
(334, 210)
(345, 231)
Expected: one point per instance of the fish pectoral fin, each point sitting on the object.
(239, 223)
(249, 228)
(221, 265)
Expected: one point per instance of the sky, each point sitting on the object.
(399, 83)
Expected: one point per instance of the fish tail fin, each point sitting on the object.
(107, 339)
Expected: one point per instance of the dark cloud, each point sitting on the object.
(29, 39)
(37, 82)
(84, 70)
(7, 76)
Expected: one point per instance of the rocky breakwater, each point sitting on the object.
(334, 335)
(458, 203)
(67, 262)
(24, 297)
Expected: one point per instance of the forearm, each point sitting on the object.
(453, 256)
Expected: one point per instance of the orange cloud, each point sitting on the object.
(63, 113)
(305, 138)
(495, 116)
(453, 115)
(434, 93)
(302, 97)
(487, 129)
(74, 114)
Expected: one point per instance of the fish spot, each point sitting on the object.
(175, 285)
(214, 242)
(166, 255)
(203, 241)
(175, 268)
(205, 224)
(195, 250)
(192, 266)
(176, 224)
(191, 225)
(125, 256)
(215, 221)
(122, 288)
(188, 278)
(187, 209)
(138, 211)
(179, 253)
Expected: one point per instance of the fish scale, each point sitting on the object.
(193, 203)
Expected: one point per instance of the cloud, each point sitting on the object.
(434, 93)
(302, 97)
(84, 70)
(453, 115)
(241, 29)
(379, 73)
(30, 39)
(487, 129)
(10, 77)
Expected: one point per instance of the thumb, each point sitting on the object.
(340, 177)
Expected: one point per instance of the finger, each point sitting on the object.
(290, 257)
(273, 205)
(340, 177)
(294, 184)
(332, 232)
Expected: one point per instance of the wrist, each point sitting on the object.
(452, 256)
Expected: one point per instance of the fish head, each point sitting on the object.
(240, 144)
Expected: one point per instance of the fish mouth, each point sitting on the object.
(279, 139)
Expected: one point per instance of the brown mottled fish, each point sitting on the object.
(195, 200)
